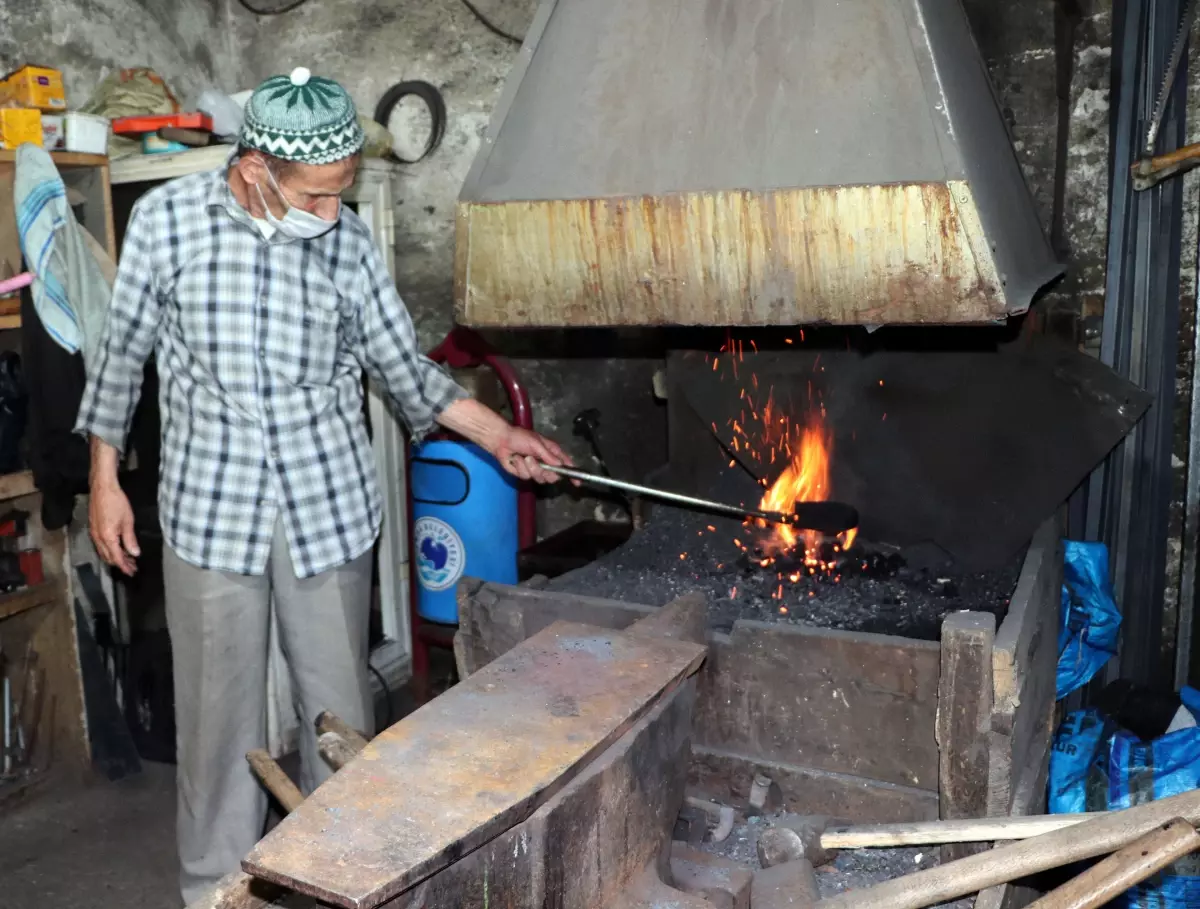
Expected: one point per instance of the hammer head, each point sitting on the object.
(795, 836)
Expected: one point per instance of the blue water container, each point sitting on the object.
(464, 523)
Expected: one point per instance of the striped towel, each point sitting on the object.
(69, 289)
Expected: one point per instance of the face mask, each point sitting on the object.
(297, 223)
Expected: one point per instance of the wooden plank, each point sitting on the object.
(469, 764)
(816, 698)
(61, 158)
(56, 723)
(494, 618)
(15, 485)
(824, 699)
(153, 168)
(964, 716)
(725, 777)
(13, 604)
(583, 262)
(10, 239)
(1024, 661)
(1017, 636)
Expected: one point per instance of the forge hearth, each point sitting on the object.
(870, 726)
(871, 588)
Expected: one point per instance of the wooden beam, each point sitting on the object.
(963, 720)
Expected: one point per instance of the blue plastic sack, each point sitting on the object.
(1096, 766)
(1089, 620)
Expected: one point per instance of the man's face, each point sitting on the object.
(314, 188)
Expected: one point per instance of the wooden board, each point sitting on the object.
(494, 618)
(963, 720)
(725, 777)
(470, 764)
(1024, 661)
(823, 699)
(61, 158)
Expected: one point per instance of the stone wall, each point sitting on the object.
(370, 45)
(190, 43)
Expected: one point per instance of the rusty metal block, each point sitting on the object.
(472, 764)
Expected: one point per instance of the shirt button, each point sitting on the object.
(275, 453)
(262, 353)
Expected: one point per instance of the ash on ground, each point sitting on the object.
(850, 870)
(869, 588)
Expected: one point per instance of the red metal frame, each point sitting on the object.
(464, 349)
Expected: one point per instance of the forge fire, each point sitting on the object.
(774, 572)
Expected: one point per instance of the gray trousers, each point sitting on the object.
(219, 624)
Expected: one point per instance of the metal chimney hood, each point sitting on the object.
(747, 162)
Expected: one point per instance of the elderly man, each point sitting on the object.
(263, 301)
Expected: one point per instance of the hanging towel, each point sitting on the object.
(70, 292)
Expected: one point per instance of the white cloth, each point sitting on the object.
(69, 289)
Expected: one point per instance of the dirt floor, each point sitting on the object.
(106, 846)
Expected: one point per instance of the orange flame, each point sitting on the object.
(805, 479)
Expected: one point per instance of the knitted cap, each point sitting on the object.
(304, 118)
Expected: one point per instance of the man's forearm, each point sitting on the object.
(104, 463)
(476, 422)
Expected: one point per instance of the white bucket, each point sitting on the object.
(87, 133)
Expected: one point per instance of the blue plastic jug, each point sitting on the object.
(464, 523)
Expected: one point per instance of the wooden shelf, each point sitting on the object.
(151, 168)
(15, 485)
(61, 158)
(27, 598)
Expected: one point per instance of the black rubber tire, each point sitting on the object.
(433, 100)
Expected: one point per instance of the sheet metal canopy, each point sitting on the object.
(747, 162)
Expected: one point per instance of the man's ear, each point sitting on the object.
(252, 168)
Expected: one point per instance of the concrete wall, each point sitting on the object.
(372, 44)
(190, 43)
(368, 46)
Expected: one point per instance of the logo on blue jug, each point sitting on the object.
(441, 556)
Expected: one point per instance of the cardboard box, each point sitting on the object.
(35, 86)
(19, 125)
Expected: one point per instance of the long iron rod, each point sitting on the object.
(637, 488)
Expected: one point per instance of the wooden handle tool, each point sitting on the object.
(1139, 860)
(1106, 833)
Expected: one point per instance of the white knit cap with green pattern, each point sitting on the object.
(303, 118)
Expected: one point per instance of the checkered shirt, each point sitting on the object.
(260, 347)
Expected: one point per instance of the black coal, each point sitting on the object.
(872, 588)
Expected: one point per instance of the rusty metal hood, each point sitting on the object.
(747, 162)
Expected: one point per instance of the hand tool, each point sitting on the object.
(1105, 834)
(1152, 169)
(829, 518)
(1141, 859)
(939, 833)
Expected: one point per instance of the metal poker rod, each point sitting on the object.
(825, 517)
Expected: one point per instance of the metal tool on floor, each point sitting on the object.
(829, 518)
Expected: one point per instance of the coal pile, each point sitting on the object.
(852, 869)
(869, 588)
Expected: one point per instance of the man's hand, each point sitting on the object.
(520, 451)
(110, 516)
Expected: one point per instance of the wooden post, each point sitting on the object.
(963, 720)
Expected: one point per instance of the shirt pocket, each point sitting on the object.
(313, 332)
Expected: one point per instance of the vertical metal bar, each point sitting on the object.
(1191, 525)
(1129, 498)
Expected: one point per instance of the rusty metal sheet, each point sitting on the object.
(905, 253)
(747, 162)
(470, 764)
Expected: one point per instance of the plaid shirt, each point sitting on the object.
(260, 346)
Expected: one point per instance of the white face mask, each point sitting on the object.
(296, 222)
